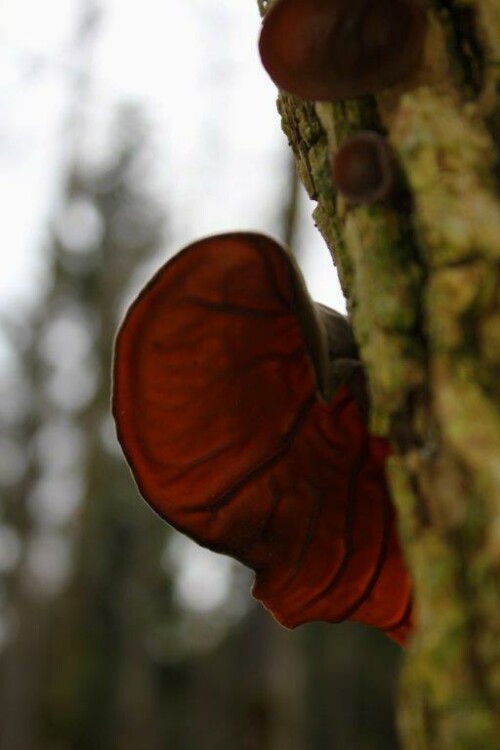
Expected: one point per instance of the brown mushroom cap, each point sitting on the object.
(215, 400)
(340, 49)
(364, 168)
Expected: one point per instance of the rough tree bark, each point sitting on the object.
(423, 293)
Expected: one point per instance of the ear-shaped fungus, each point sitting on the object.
(217, 370)
(340, 49)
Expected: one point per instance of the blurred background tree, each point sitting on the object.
(107, 637)
(97, 651)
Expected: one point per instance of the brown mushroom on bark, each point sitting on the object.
(364, 168)
(340, 49)
(243, 432)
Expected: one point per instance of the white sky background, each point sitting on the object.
(220, 153)
(195, 68)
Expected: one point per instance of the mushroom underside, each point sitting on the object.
(218, 412)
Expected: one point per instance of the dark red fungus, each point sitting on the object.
(364, 168)
(217, 370)
(339, 49)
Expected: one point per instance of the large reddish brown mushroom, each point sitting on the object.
(237, 413)
(339, 49)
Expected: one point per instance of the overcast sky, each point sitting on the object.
(194, 67)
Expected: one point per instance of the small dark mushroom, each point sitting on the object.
(364, 168)
(222, 409)
(340, 49)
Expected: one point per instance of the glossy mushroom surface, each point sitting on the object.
(340, 49)
(217, 400)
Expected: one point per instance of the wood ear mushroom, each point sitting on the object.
(364, 169)
(238, 436)
(341, 49)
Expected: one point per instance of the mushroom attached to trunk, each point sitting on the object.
(340, 49)
(364, 168)
(238, 406)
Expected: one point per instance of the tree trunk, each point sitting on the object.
(423, 292)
